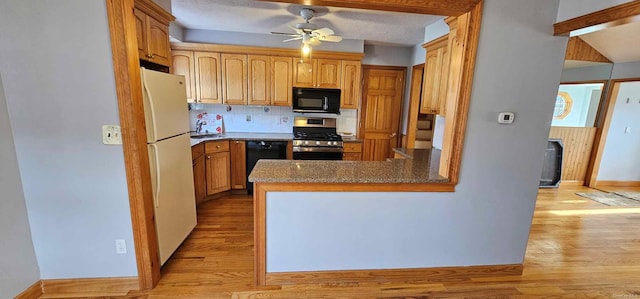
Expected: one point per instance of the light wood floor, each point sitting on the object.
(577, 248)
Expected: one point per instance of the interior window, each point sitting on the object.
(577, 105)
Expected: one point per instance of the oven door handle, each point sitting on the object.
(309, 111)
(317, 149)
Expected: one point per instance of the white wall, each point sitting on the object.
(569, 9)
(589, 73)
(387, 55)
(265, 40)
(487, 220)
(626, 70)
(620, 158)
(19, 268)
(59, 85)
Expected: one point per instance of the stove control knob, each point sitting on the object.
(335, 143)
(317, 142)
(306, 142)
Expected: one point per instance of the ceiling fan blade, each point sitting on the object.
(295, 38)
(323, 32)
(314, 42)
(283, 33)
(332, 38)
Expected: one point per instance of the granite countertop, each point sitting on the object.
(351, 139)
(422, 168)
(245, 136)
(412, 153)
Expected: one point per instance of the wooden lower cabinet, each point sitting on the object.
(237, 149)
(199, 172)
(352, 151)
(218, 166)
(218, 172)
(200, 178)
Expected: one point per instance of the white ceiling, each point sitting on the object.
(374, 27)
(619, 43)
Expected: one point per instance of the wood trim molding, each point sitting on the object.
(464, 94)
(250, 50)
(577, 49)
(430, 7)
(618, 183)
(571, 183)
(417, 275)
(33, 291)
(129, 92)
(155, 11)
(89, 287)
(437, 43)
(415, 96)
(598, 20)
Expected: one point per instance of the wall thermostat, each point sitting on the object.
(506, 117)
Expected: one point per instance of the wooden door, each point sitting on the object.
(281, 81)
(199, 178)
(381, 108)
(218, 172)
(207, 73)
(304, 74)
(328, 73)
(259, 80)
(238, 164)
(234, 78)
(182, 64)
(158, 40)
(350, 84)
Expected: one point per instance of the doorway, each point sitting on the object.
(382, 98)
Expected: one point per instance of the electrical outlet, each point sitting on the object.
(627, 130)
(111, 134)
(248, 117)
(121, 246)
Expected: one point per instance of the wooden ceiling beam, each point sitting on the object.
(610, 17)
(429, 7)
(577, 49)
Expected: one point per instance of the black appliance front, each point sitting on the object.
(257, 149)
(316, 100)
(317, 156)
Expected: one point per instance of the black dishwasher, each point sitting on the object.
(258, 149)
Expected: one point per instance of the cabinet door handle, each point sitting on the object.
(393, 135)
(217, 146)
(208, 157)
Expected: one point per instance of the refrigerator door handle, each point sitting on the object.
(151, 107)
(156, 159)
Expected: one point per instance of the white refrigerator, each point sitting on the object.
(167, 123)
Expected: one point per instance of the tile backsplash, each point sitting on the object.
(267, 119)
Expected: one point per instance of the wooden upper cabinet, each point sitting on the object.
(152, 31)
(141, 32)
(434, 84)
(281, 81)
(158, 41)
(259, 80)
(207, 77)
(328, 73)
(303, 73)
(320, 73)
(234, 79)
(182, 64)
(350, 84)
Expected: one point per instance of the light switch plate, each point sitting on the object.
(111, 134)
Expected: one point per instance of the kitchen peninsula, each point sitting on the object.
(329, 217)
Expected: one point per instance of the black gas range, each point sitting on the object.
(316, 139)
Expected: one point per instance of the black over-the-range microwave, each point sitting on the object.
(316, 100)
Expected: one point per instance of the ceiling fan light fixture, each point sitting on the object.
(306, 49)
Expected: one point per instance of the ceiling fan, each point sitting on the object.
(309, 33)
